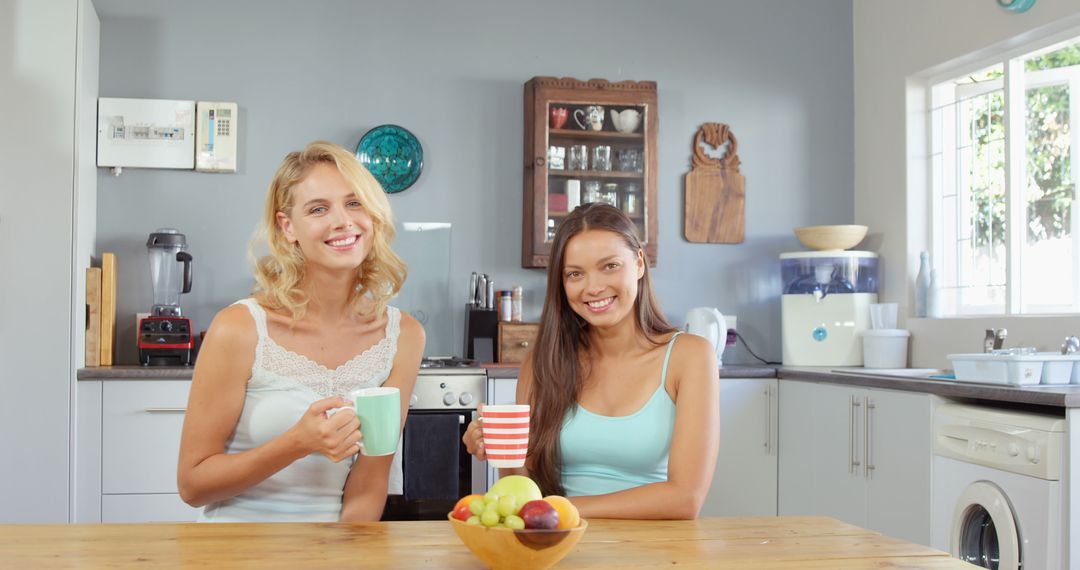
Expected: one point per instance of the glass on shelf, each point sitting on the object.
(592, 192)
(601, 157)
(577, 157)
(631, 203)
(556, 156)
(610, 194)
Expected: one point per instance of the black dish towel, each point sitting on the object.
(431, 447)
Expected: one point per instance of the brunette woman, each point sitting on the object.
(268, 434)
(625, 410)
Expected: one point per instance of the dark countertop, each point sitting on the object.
(136, 372)
(726, 371)
(1065, 396)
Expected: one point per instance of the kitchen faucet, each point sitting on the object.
(994, 339)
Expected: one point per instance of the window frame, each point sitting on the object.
(1014, 85)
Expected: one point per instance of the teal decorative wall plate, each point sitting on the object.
(1016, 5)
(393, 156)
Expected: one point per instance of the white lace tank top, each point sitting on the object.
(282, 386)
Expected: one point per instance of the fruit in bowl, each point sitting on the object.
(518, 549)
(513, 527)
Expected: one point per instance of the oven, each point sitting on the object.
(436, 468)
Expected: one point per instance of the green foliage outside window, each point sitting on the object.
(1049, 193)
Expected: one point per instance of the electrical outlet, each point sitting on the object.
(730, 320)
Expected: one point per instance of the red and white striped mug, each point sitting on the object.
(506, 434)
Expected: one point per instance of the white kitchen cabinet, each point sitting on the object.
(140, 433)
(744, 483)
(862, 455)
(501, 391)
(48, 107)
(127, 465)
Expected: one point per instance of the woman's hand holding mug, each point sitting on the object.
(474, 437)
(507, 426)
(329, 427)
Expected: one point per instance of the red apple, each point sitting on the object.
(462, 513)
(539, 514)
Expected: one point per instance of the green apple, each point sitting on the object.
(522, 488)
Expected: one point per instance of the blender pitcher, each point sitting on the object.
(170, 271)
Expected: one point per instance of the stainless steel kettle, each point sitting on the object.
(709, 323)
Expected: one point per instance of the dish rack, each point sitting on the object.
(1047, 368)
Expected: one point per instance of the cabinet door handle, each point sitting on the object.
(774, 397)
(524, 344)
(853, 453)
(540, 161)
(768, 420)
(869, 437)
(165, 410)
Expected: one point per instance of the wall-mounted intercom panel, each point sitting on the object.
(215, 133)
(146, 133)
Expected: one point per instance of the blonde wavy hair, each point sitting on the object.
(278, 275)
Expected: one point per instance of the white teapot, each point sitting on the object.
(709, 323)
(626, 121)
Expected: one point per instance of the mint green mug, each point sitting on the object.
(379, 410)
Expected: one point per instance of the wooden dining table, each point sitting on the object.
(735, 542)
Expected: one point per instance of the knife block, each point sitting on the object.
(481, 333)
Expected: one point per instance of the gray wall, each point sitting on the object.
(779, 72)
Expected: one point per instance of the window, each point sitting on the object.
(1004, 224)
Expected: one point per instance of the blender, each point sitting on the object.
(165, 337)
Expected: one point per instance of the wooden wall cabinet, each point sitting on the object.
(516, 340)
(616, 120)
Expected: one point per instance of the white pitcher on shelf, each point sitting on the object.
(626, 121)
(709, 323)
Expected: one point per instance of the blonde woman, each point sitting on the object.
(268, 435)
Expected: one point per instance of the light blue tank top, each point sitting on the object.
(606, 454)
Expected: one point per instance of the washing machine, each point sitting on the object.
(997, 486)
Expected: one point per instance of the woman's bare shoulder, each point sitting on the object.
(235, 326)
(693, 353)
(411, 328)
(228, 352)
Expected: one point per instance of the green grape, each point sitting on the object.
(490, 497)
(507, 505)
(473, 520)
(489, 518)
(515, 522)
(476, 506)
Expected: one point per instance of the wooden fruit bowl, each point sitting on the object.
(824, 238)
(526, 549)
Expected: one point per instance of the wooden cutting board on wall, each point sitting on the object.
(108, 307)
(715, 190)
(93, 316)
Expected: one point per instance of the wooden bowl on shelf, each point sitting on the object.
(827, 238)
(526, 549)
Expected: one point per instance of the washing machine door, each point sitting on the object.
(984, 529)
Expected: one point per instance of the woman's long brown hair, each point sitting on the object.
(560, 358)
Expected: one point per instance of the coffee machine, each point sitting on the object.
(166, 337)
